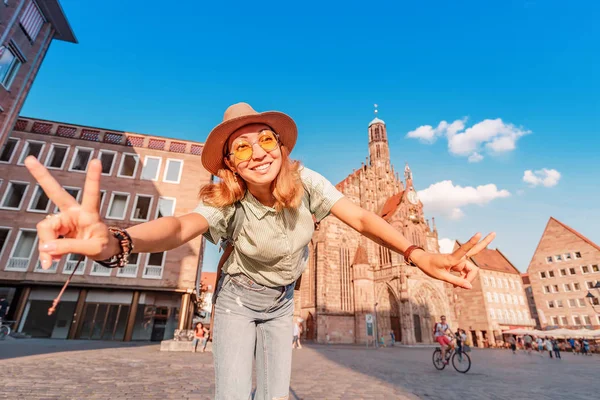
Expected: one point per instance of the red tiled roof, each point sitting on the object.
(525, 279)
(494, 260)
(391, 205)
(209, 279)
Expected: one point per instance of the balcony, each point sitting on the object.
(52, 269)
(128, 271)
(17, 264)
(153, 272)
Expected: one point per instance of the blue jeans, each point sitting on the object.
(252, 321)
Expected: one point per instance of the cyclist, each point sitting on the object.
(439, 333)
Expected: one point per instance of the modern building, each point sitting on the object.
(143, 177)
(349, 278)
(27, 27)
(565, 267)
(497, 301)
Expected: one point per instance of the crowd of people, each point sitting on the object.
(552, 345)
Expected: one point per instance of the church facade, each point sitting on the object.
(349, 276)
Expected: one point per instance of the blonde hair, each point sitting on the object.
(287, 187)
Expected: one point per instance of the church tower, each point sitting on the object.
(379, 151)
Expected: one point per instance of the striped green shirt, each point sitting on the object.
(271, 247)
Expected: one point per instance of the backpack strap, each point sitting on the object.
(234, 226)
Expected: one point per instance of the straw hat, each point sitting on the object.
(237, 116)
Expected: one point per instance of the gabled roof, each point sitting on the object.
(391, 205)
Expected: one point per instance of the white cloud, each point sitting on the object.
(446, 245)
(544, 176)
(492, 135)
(475, 157)
(447, 199)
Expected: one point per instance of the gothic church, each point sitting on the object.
(349, 276)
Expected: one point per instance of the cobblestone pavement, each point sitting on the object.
(104, 370)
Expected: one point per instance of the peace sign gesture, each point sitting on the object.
(441, 266)
(78, 227)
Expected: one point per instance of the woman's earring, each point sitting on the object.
(235, 177)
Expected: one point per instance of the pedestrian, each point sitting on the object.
(393, 339)
(3, 307)
(459, 341)
(548, 346)
(527, 339)
(585, 345)
(296, 339)
(572, 345)
(275, 200)
(200, 335)
(513, 345)
(540, 344)
(555, 348)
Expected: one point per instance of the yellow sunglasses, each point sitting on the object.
(243, 149)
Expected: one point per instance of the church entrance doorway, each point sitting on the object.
(417, 323)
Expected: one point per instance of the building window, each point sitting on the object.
(502, 299)
(73, 191)
(4, 234)
(558, 257)
(141, 208)
(563, 321)
(587, 320)
(555, 321)
(8, 150)
(129, 165)
(22, 250)
(550, 303)
(166, 207)
(549, 259)
(512, 284)
(563, 272)
(57, 156)
(154, 265)
(521, 300)
(567, 287)
(572, 271)
(492, 314)
(346, 280)
(151, 168)
(576, 320)
(107, 159)
(32, 148)
(506, 315)
(577, 254)
(100, 270)
(32, 21)
(576, 286)
(39, 201)
(555, 288)
(543, 274)
(14, 195)
(572, 303)
(551, 274)
(595, 268)
(81, 159)
(485, 281)
(118, 205)
(493, 281)
(9, 66)
(131, 269)
(559, 303)
(173, 171)
(590, 284)
(581, 302)
(71, 263)
(505, 283)
(585, 269)
(489, 297)
(568, 256)
(101, 201)
(520, 315)
(546, 289)
(496, 300)
(515, 300)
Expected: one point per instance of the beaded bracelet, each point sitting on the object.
(126, 244)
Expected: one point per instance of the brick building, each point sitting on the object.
(564, 268)
(497, 301)
(144, 177)
(348, 276)
(27, 28)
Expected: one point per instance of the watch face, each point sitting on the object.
(412, 197)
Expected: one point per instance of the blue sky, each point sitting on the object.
(145, 67)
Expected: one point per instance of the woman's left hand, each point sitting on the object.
(442, 266)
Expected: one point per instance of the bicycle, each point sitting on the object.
(460, 360)
(5, 329)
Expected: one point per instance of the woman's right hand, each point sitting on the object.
(77, 228)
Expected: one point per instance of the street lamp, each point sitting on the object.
(594, 301)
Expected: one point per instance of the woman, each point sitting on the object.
(200, 335)
(249, 152)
